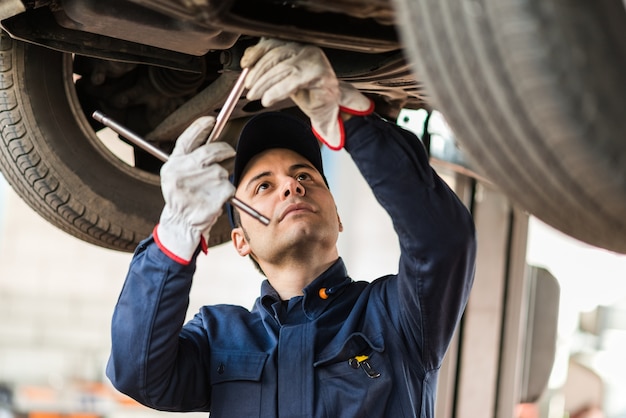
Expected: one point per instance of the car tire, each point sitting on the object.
(534, 92)
(53, 159)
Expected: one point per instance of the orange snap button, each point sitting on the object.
(323, 293)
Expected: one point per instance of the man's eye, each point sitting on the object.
(262, 187)
(303, 176)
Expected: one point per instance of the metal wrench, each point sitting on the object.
(220, 122)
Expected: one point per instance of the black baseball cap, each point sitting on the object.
(274, 130)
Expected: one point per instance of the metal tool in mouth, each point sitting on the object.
(220, 122)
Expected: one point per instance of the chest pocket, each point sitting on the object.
(236, 383)
(355, 378)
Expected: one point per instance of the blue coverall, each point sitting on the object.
(368, 350)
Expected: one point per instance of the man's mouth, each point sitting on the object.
(294, 208)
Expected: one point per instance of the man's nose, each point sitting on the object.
(292, 186)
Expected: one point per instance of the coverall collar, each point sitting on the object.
(317, 295)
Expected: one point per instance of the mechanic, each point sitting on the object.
(316, 343)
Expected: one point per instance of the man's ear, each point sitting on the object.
(340, 224)
(240, 242)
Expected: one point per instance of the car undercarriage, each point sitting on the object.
(531, 91)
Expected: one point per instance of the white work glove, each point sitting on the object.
(281, 70)
(195, 188)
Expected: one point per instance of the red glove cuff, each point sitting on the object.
(342, 133)
(355, 112)
(203, 245)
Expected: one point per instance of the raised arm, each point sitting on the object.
(435, 230)
(153, 359)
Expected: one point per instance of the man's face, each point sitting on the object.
(285, 187)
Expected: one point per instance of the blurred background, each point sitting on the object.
(57, 296)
